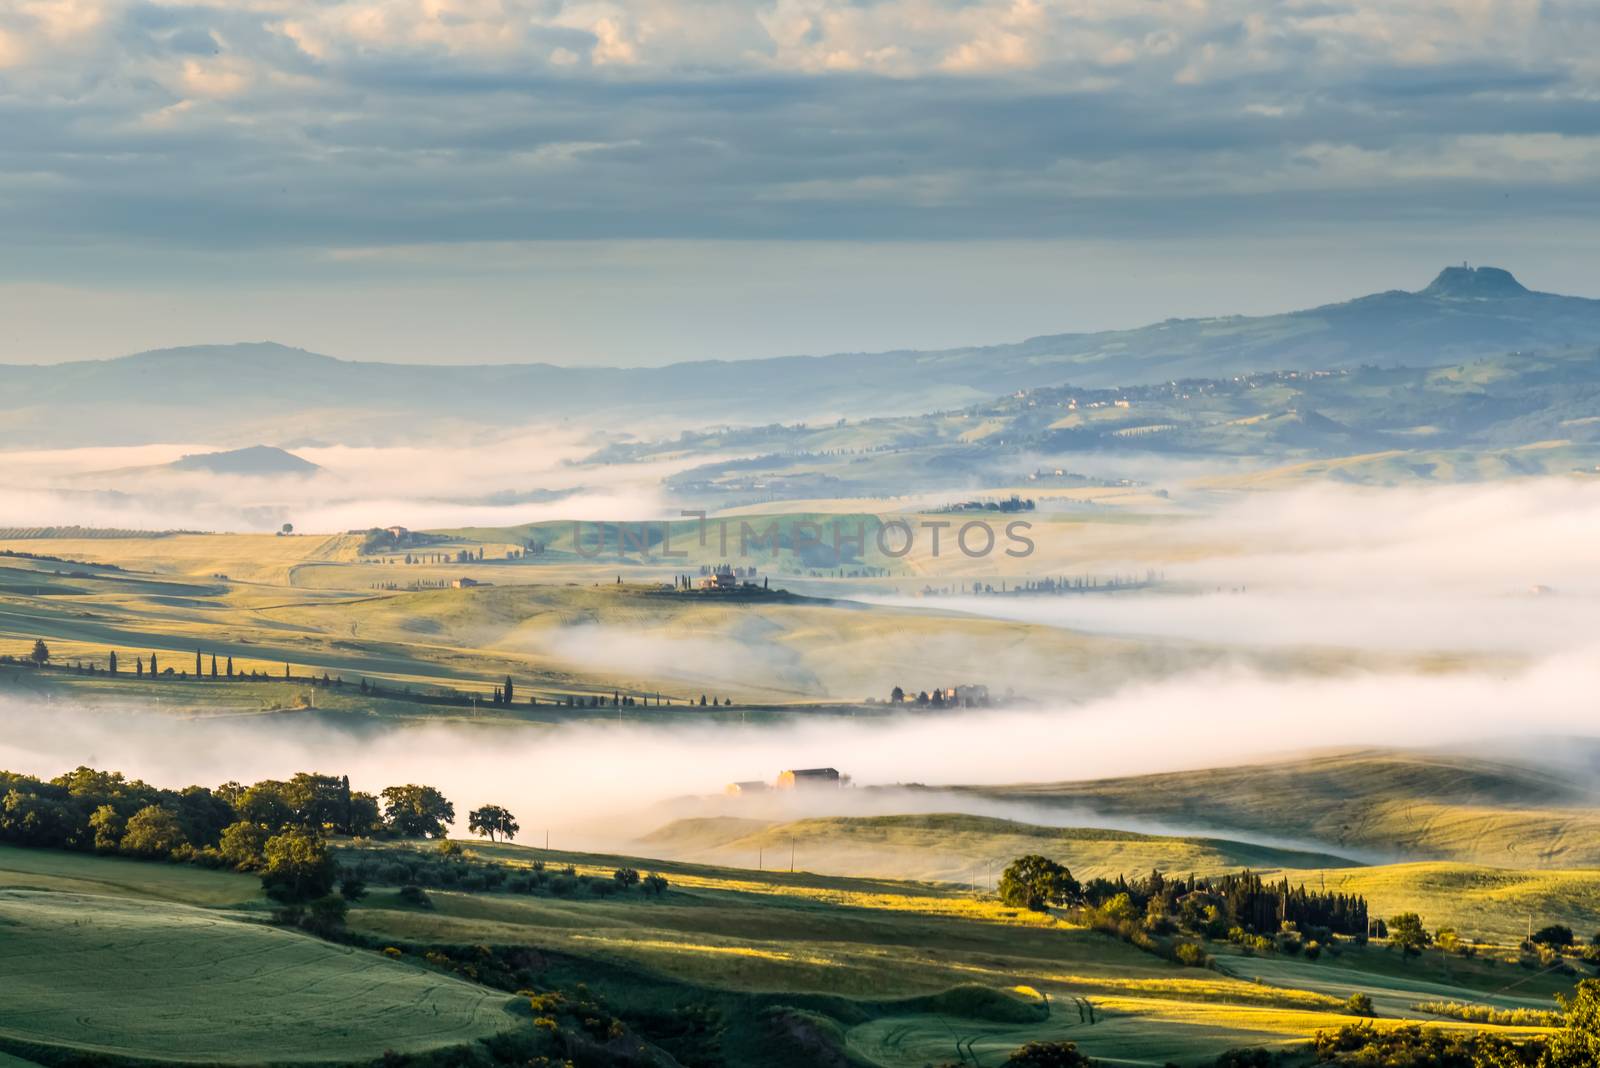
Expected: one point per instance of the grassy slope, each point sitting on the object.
(1401, 805)
(959, 848)
(803, 936)
(83, 873)
(171, 982)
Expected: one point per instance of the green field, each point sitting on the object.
(873, 973)
(138, 979)
(83, 873)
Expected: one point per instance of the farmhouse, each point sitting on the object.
(807, 778)
(465, 583)
(742, 789)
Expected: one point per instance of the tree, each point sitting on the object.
(230, 667)
(197, 671)
(213, 665)
(243, 844)
(112, 662)
(1407, 932)
(507, 691)
(153, 671)
(491, 821)
(266, 804)
(1034, 881)
(152, 832)
(297, 868)
(626, 877)
(897, 695)
(1556, 935)
(287, 528)
(41, 653)
(414, 811)
(1577, 1044)
(138, 667)
(107, 824)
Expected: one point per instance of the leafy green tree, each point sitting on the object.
(268, 804)
(41, 653)
(153, 831)
(243, 844)
(626, 877)
(1577, 1044)
(414, 811)
(491, 821)
(107, 825)
(365, 817)
(1407, 932)
(202, 815)
(30, 815)
(297, 867)
(321, 802)
(1035, 882)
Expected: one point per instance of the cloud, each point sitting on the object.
(407, 121)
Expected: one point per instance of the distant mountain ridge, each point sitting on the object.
(236, 393)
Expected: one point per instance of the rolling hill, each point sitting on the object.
(1379, 804)
(233, 393)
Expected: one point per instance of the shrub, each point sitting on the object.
(1190, 955)
(626, 878)
(1049, 1055)
(1556, 935)
(1360, 1004)
(416, 896)
(655, 884)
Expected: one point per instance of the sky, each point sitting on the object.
(582, 181)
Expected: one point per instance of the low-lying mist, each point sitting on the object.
(532, 475)
(1506, 567)
(600, 785)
